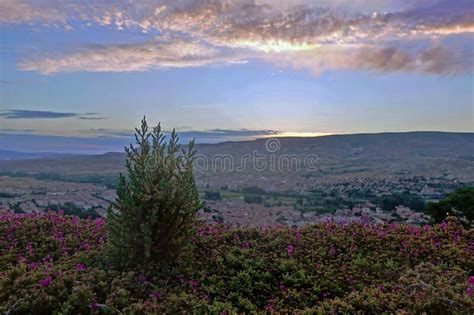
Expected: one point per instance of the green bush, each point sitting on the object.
(459, 203)
(212, 195)
(156, 204)
(253, 199)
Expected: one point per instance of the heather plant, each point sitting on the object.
(54, 264)
(155, 210)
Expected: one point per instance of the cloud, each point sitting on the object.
(435, 59)
(212, 135)
(18, 11)
(243, 132)
(194, 33)
(40, 114)
(91, 118)
(8, 130)
(153, 54)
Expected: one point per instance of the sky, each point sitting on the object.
(78, 75)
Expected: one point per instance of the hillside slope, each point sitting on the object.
(417, 153)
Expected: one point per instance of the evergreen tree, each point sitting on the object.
(156, 205)
(459, 203)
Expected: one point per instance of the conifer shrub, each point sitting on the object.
(156, 204)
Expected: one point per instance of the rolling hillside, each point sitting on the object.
(415, 153)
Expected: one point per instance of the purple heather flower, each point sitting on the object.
(332, 250)
(470, 280)
(93, 306)
(156, 294)
(289, 250)
(270, 306)
(469, 291)
(32, 265)
(405, 244)
(142, 278)
(45, 282)
(80, 267)
(99, 222)
(85, 246)
(282, 287)
(298, 236)
(381, 288)
(350, 279)
(194, 284)
(443, 225)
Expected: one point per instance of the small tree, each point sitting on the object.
(157, 201)
(459, 203)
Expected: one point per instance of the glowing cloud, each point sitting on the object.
(193, 33)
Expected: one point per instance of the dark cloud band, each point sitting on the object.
(40, 114)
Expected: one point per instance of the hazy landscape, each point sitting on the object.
(351, 173)
(236, 157)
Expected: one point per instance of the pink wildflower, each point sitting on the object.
(45, 282)
(194, 284)
(85, 246)
(298, 236)
(443, 225)
(270, 306)
(289, 250)
(282, 287)
(93, 306)
(80, 267)
(469, 291)
(99, 222)
(156, 294)
(470, 280)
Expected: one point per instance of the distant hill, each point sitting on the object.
(6, 155)
(417, 153)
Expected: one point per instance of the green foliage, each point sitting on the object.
(212, 195)
(459, 203)
(156, 204)
(16, 207)
(110, 181)
(253, 199)
(70, 208)
(55, 264)
(7, 195)
(390, 202)
(253, 190)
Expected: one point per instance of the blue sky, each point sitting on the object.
(91, 70)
